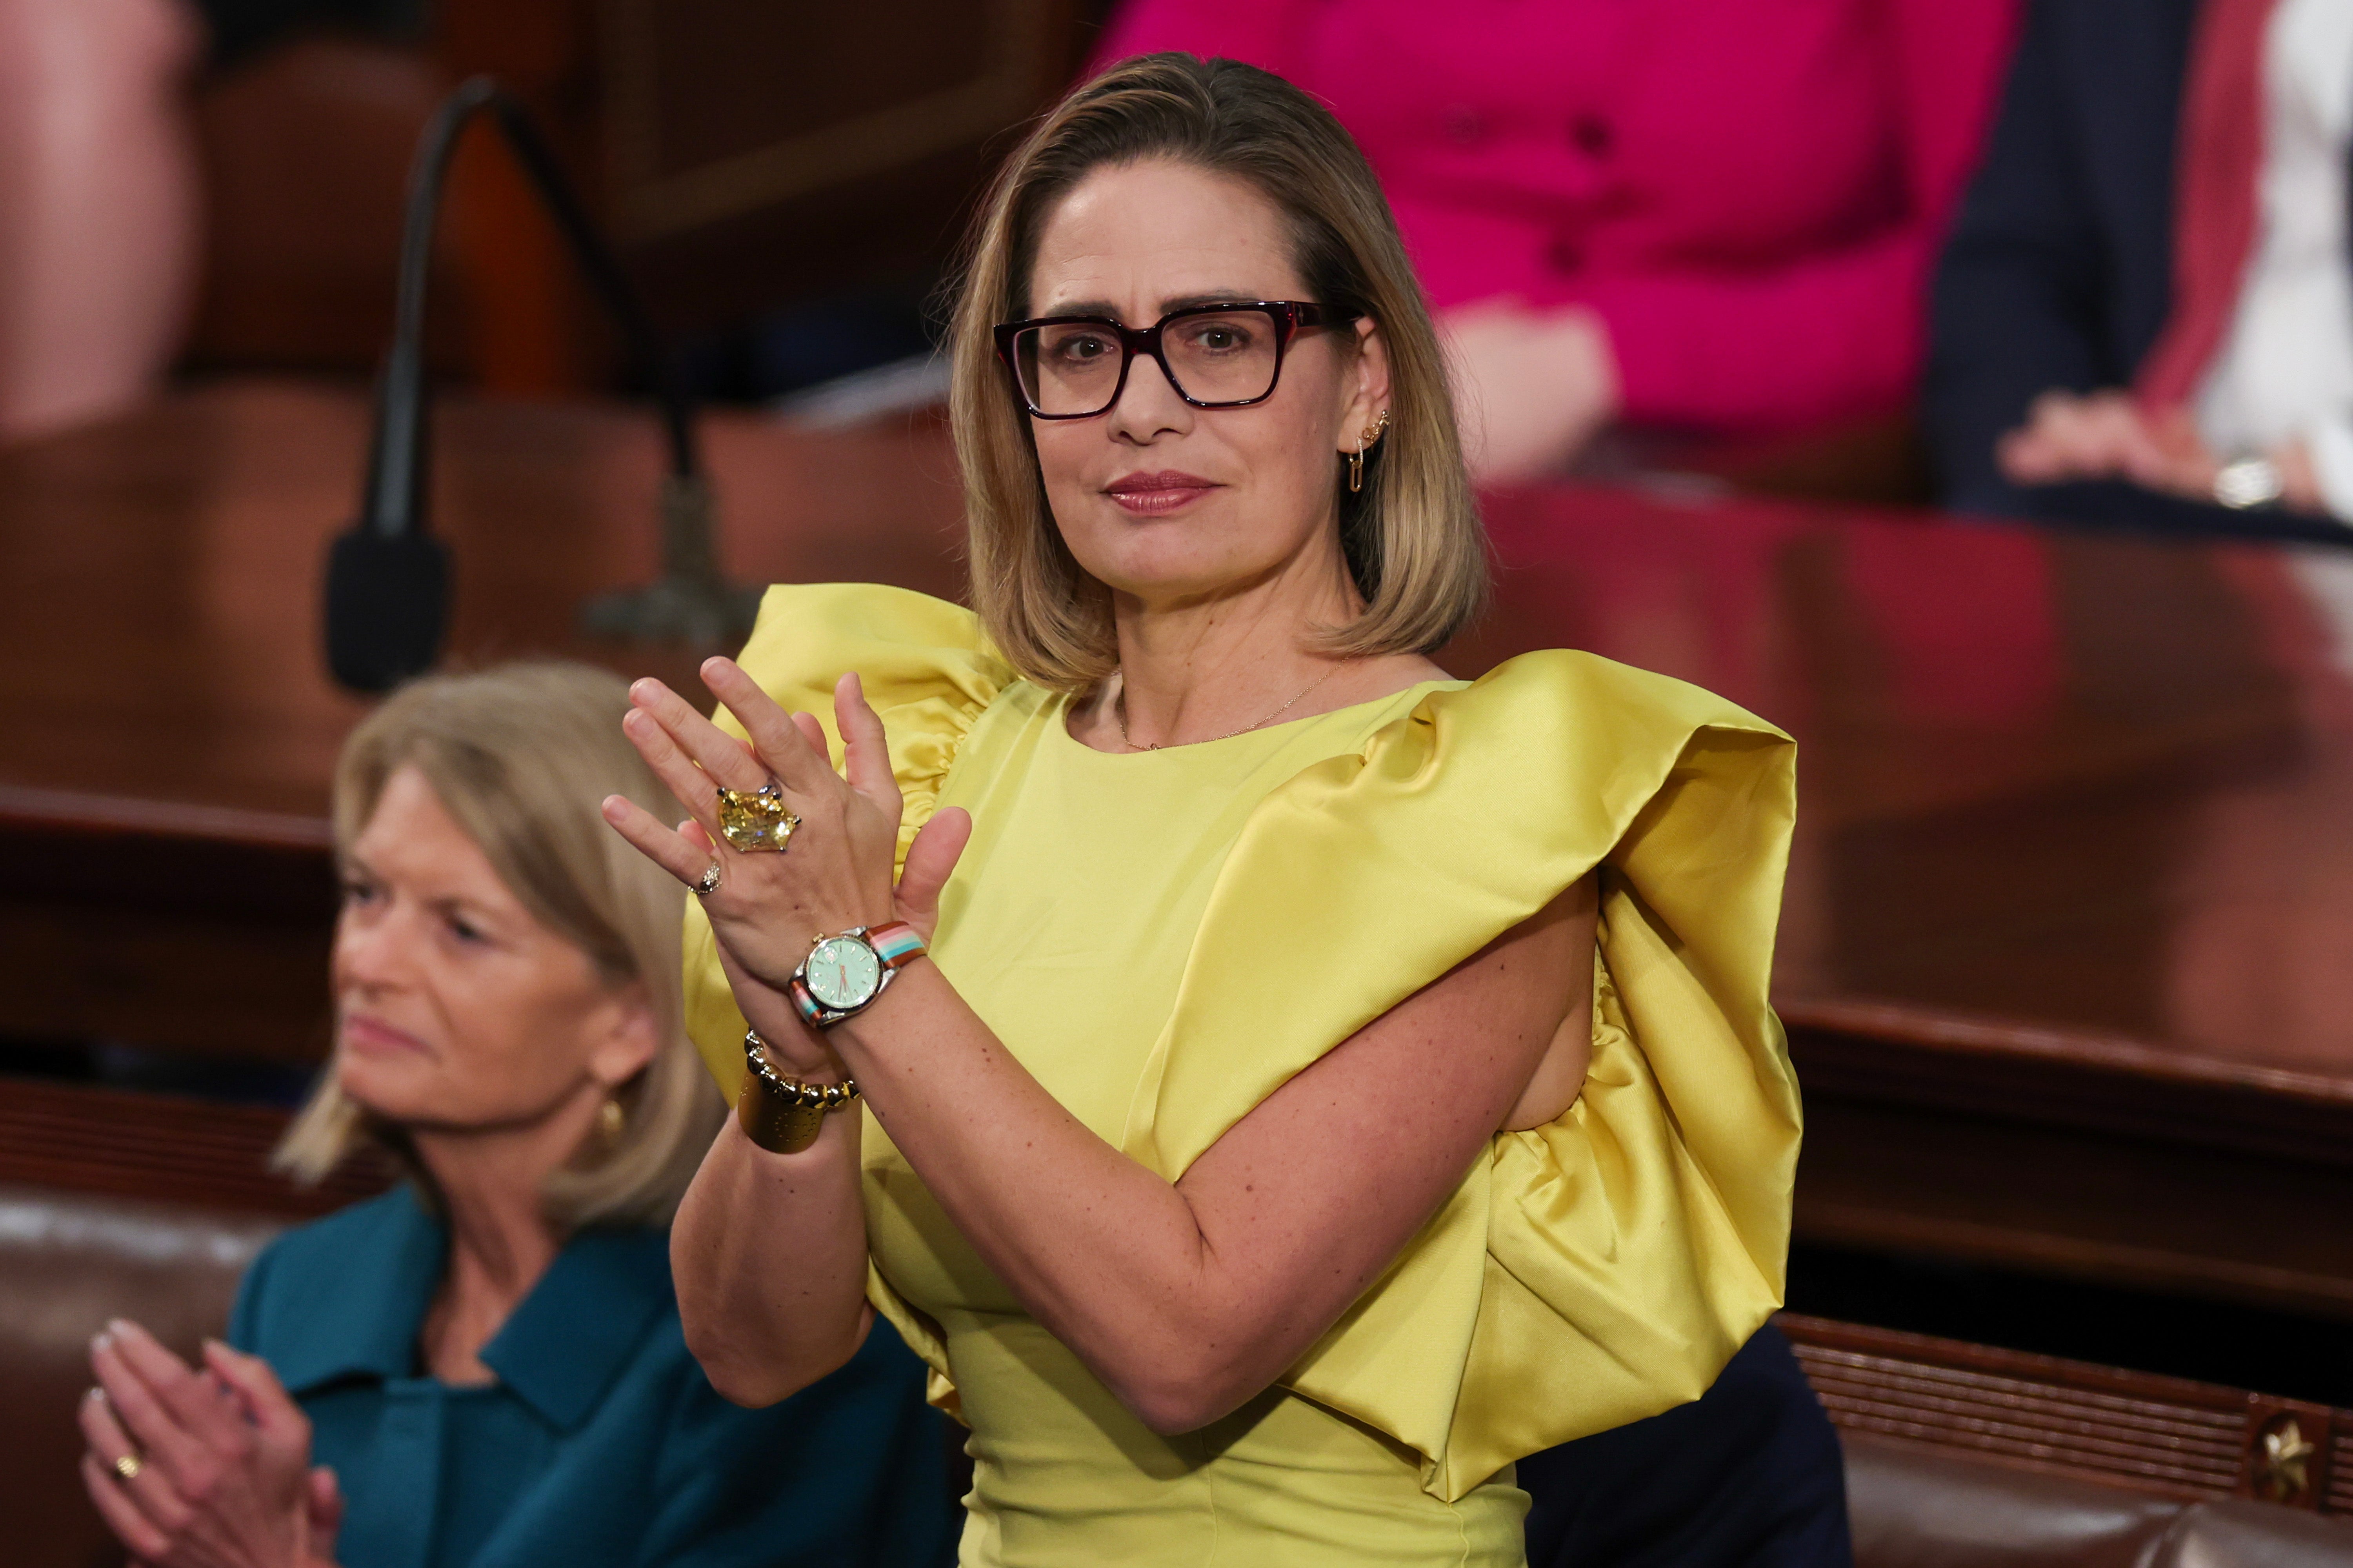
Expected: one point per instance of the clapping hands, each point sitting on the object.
(203, 1466)
(836, 870)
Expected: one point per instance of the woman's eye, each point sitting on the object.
(357, 892)
(1081, 350)
(465, 931)
(1219, 340)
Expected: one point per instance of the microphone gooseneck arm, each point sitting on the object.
(393, 504)
(387, 584)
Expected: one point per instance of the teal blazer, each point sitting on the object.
(601, 1443)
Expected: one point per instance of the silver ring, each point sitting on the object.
(708, 883)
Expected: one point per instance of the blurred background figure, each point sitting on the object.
(99, 210)
(1693, 213)
(484, 1366)
(2145, 310)
(104, 195)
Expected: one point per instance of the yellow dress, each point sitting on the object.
(1164, 938)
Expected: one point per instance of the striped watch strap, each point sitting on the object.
(894, 943)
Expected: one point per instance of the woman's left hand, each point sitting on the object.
(219, 1458)
(837, 869)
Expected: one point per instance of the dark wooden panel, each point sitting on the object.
(753, 152)
(305, 157)
(162, 597)
(197, 928)
(165, 874)
(2094, 786)
(2010, 1070)
(2080, 1202)
(2163, 1436)
(161, 1147)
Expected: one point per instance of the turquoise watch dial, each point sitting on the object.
(842, 972)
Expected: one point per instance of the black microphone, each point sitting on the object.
(387, 579)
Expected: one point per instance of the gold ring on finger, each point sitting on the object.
(128, 1465)
(755, 821)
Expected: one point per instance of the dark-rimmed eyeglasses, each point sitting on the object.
(1225, 356)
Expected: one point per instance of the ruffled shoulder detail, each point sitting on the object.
(1605, 1266)
(929, 674)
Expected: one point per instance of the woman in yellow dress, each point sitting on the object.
(1302, 1083)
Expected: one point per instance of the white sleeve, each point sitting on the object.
(2331, 443)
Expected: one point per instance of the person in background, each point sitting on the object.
(101, 197)
(99, 204)
(1699, 213)
(484, 1366)
(2145, 314)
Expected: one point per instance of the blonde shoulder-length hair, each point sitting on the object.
(522, 756)
(1411, 536)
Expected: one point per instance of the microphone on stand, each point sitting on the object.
(388, 578)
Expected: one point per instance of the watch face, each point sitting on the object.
(842, 972)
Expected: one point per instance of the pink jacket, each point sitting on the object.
(1750, 192)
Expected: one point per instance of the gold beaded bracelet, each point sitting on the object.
(783, 1115)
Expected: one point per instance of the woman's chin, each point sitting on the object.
(1169, 568)
(405, 1093)
(380, 1095)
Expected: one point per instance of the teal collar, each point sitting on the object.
(558, 1352)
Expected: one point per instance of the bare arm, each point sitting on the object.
(1184, 1299)
(1188, 1300)
(768, 1252)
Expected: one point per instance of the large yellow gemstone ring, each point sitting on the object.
(753, 821)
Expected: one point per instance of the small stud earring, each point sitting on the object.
(611, 1119)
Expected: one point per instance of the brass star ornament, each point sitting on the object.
(2280, 1473)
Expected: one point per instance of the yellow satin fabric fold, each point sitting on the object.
(1603, 1267)
(1585, 1274)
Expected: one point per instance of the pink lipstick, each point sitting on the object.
(1157, 495)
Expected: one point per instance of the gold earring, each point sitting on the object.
(611, 1119)
(1372, 434)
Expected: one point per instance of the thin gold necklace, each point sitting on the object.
(1119, 712)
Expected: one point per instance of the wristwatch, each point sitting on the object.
(843, 974)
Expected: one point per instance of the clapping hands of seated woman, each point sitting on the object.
(203, 1467)
(2111, 434)
(843, 832)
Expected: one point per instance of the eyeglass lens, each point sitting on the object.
(1214, 356)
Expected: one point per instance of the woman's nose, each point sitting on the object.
(371, 948)
(1148, 404)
